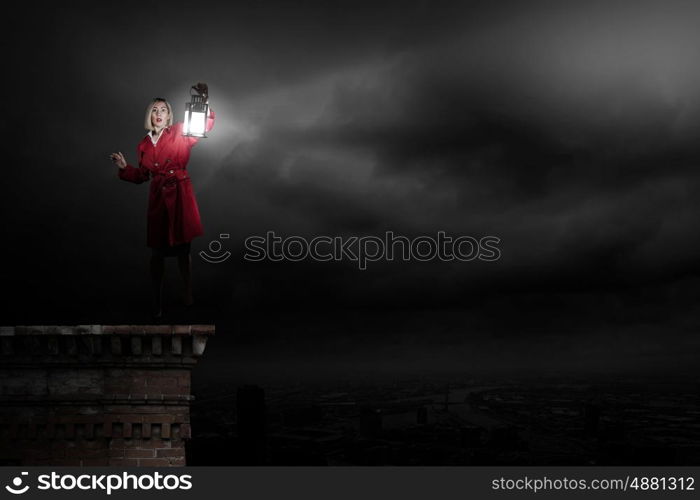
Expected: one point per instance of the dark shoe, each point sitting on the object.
(157, 309)
(157, 302)
(188, 299)
(157, 313)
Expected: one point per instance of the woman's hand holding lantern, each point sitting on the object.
(202, 89)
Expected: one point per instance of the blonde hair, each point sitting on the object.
(147, 121)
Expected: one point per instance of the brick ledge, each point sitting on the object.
(8, 331)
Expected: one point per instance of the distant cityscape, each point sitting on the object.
(449, 421)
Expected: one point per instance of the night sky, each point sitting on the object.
(569, 130)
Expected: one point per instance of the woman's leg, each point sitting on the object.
(157, 272)
(184, 262)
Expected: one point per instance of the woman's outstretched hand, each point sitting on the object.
(118, 160)
(202, 89)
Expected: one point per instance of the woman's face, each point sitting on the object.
(159, 115)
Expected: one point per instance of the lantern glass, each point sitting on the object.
(195, 123)
(198, 122)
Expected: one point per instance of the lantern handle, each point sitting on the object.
(202, 89)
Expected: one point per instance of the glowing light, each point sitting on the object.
(196, 113)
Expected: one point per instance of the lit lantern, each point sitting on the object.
(196, 113)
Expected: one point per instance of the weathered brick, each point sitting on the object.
(163, 385)
(116, 329)
(116, 345)
(50, 430)
(154, 462)
(95, 462)
(92, 444)
(176, 345)
(170, 452)
(42, 462)
(199, 343)
(112, 402)
(58, 445)
(117, 429)
(32, 430)
(160, 443)
(181, 329)
(89, 430)
(131, 443)
(81, 452)
(203, 329)
(7, 346)
(71, 346)
(158, 418)
(156, 346)
(32, 344)
(67, 462)
(37, 453)
(137, 383)
(89, 329)
(156, 329)
(183, 382)
(139, 453)
(185, 431)
(7, 331)
(144, 444)
(123, 462)
(35, 330)
(120, 443)
(96, 345)
(52, 345)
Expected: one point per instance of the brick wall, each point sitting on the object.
(97, 394)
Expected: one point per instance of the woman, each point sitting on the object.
(173, 215)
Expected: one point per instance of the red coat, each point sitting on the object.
(173, 215)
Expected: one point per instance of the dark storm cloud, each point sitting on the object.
(567, 133)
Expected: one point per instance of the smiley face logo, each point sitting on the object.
(16, 488)
(216, 256)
